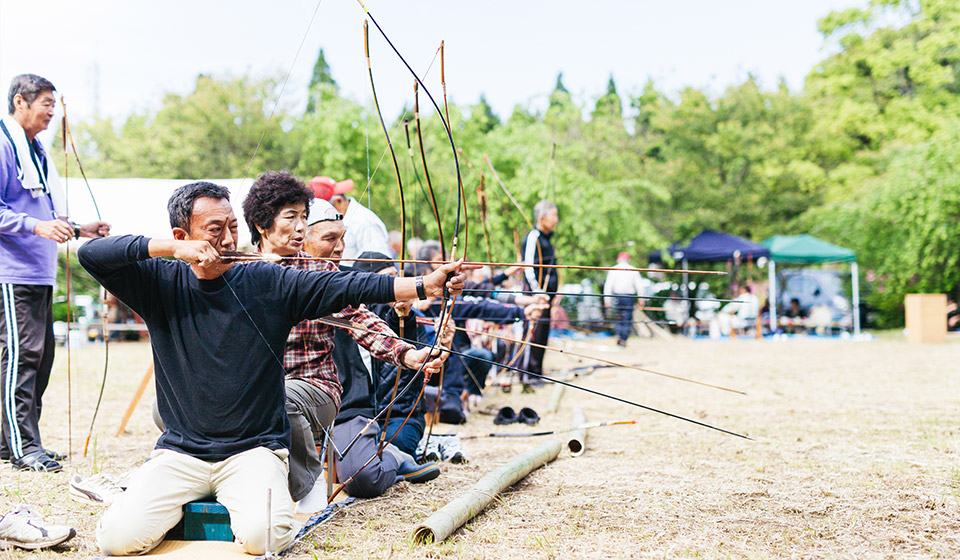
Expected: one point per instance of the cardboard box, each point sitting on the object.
(926, 318)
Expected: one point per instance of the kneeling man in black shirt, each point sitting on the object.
(218, 330)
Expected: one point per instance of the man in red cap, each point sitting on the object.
(365, 231)
(624, 284)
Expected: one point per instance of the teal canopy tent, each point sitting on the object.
(807, 249)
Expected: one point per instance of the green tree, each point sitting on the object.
(905, 225)
(482, 116)
(609, 105)
(889, 83)
(321, 77)
(212, 132)
(740, 163)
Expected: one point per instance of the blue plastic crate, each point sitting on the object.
(206, 521)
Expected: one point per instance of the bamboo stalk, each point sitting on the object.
(555, 397)
(550, 432)
(577, 442)
(452, 516)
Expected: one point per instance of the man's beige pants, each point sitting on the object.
(153, 502)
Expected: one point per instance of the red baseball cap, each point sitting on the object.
(623, 256)
(326, 188)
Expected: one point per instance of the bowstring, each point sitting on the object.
(396, 129)
(276, 104)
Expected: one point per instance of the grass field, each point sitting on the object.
(854, 455)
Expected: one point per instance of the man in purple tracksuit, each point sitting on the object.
(32, 221)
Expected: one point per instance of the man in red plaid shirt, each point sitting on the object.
(277, 210)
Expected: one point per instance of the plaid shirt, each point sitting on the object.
(309, 351)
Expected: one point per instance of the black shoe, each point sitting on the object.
(37, 461)
(54, 455)
(412, 472)
(452, 415)
(528, 416)
(506, 416)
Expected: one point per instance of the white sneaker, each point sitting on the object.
(99, 489)
(23, 528)
(432, 452)
(450, 449)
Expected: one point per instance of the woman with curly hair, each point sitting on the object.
(278, 213)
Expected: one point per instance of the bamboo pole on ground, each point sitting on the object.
(656, 330)
(555, 397)
(450, 517)
(577, 443)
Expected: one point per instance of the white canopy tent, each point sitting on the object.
(139, 206)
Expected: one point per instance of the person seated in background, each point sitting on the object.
(675, 311)
(383, 454)
(794, 311)
(953, 315)
(741, 314)
(466, 375)
(395, 241)
(794, 319)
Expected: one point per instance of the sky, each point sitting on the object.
(116, 57)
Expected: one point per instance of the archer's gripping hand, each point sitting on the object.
(416, 359)
(56, 229)
(451, 275)
(533, 311)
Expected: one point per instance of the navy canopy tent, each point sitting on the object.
(712, 246)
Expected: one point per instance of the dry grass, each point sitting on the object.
(855, 456)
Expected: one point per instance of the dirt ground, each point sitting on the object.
(854, 455)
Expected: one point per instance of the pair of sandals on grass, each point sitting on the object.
(507, 415)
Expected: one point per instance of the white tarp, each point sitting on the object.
(139, 206)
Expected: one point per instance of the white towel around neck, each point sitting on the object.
(30, 172)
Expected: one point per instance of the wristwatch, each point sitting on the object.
(76, 231)
(421, 293)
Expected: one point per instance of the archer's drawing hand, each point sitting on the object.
(95, 229)
(200, 253)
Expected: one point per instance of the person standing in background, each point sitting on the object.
(33, 219)
(623, 285)
(538, 250)
(365, 230)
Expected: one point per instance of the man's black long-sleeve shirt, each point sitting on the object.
(217, 362)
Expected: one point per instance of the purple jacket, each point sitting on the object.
(25, 258)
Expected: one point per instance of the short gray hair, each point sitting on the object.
(428, 249)
(180, 205)
(29, 87)
(541, 209)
